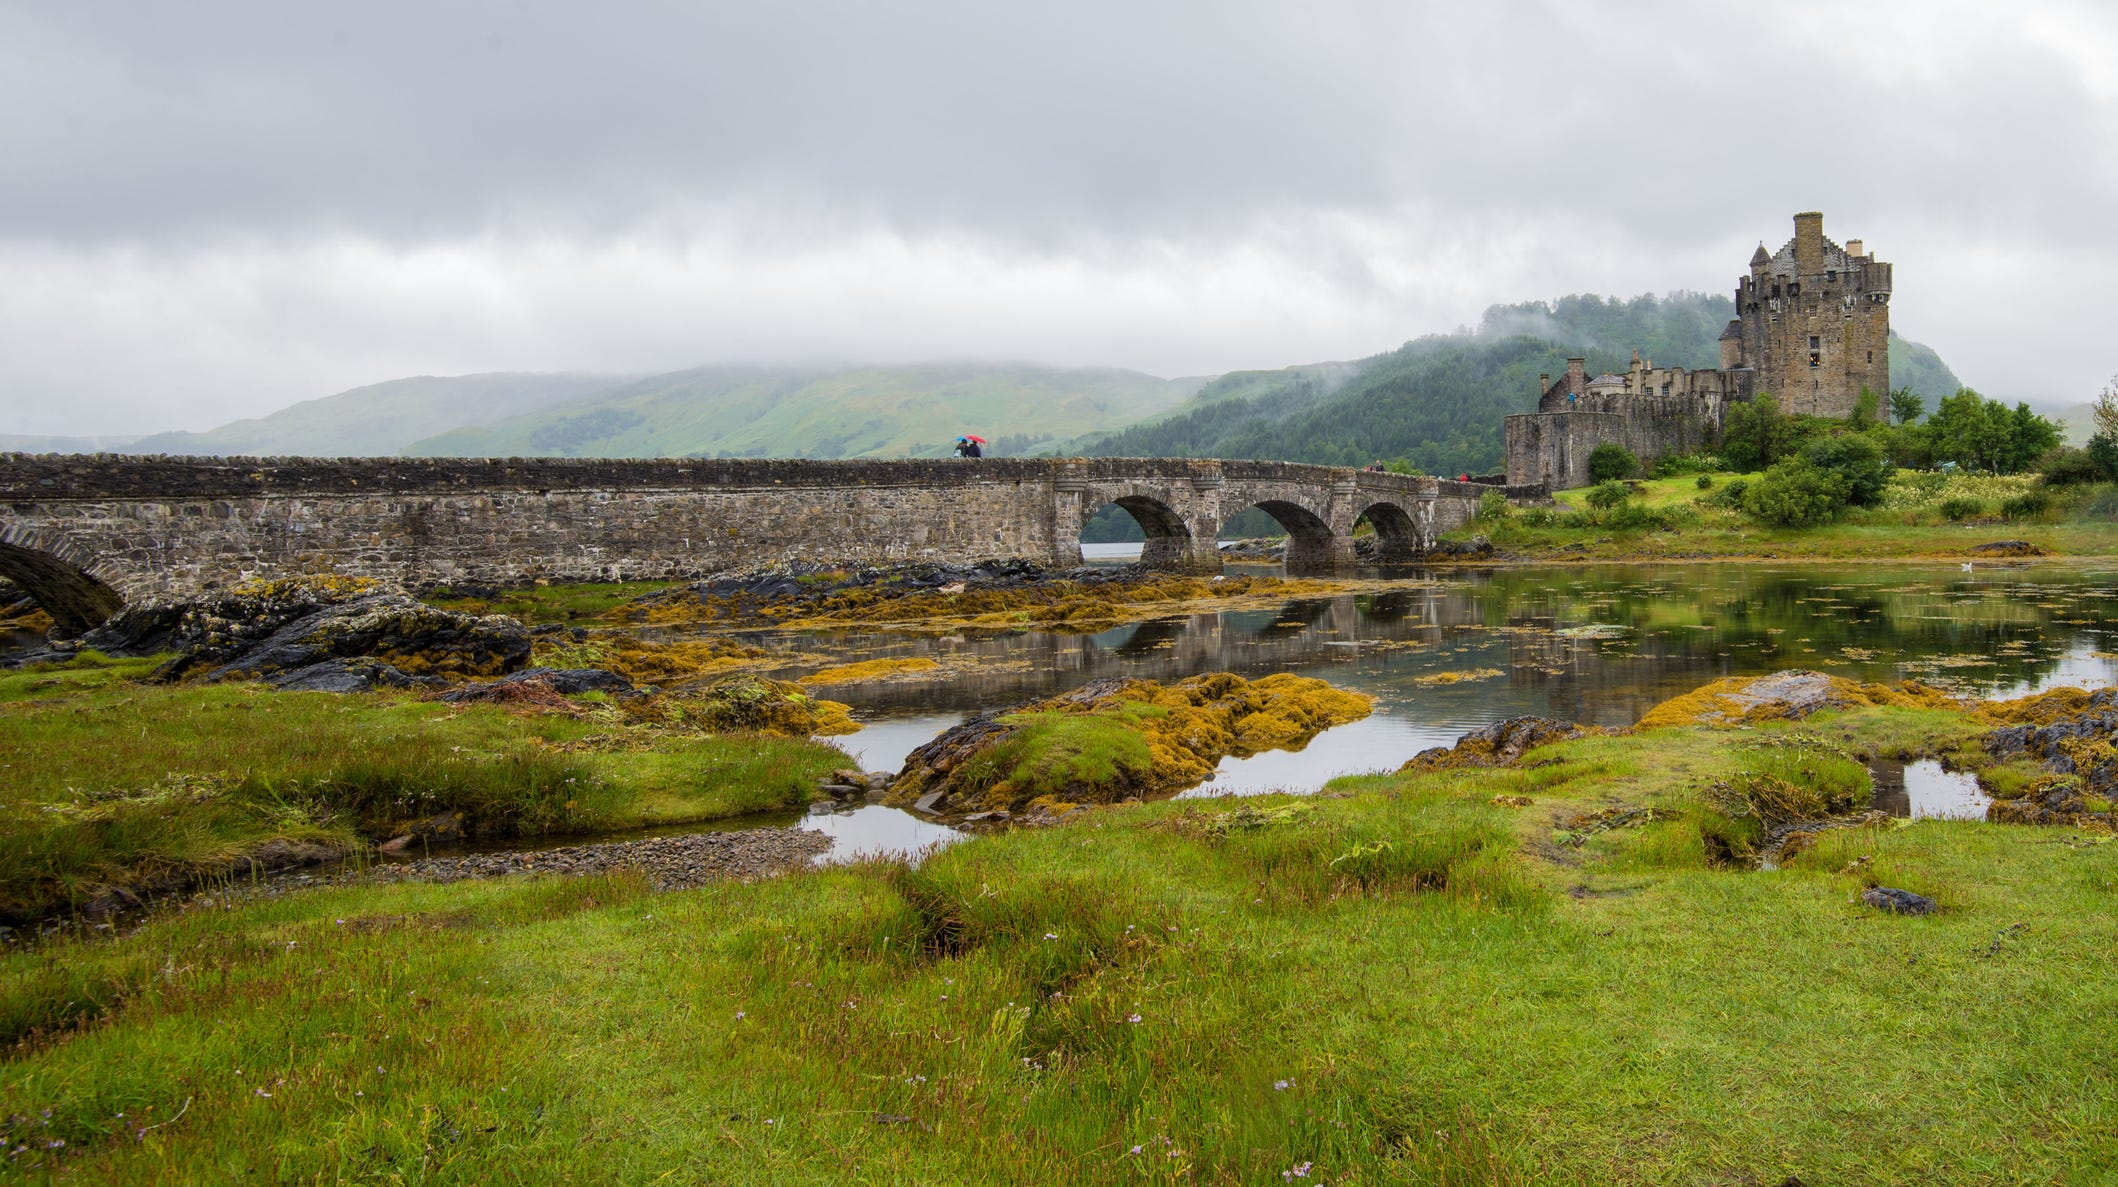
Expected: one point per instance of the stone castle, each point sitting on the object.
(1812, 328)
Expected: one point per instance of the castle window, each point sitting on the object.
(1831, 276)
(1871, 356)
(1665, 389)
(1815, 343)
(1815, 359)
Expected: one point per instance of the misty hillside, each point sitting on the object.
(1438, 401)
(907, 411)
(380, 419)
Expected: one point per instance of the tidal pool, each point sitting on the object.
(1447, 651)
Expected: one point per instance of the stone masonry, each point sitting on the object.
(1812, 327)
(83, 534)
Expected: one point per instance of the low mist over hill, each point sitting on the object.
(1438, 401)
(382, 418)
(908, 411)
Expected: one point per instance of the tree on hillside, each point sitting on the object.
(1907, 406)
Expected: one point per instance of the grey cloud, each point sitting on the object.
(325, 195)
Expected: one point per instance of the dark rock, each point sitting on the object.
(843, 791)
(543, 681)
(1495, 745)
(262, 630)
(347, 675)
(2008, 548)
(1898, 902)
(2077, 794)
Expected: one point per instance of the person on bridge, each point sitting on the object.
(968, 447)
(1377, 468)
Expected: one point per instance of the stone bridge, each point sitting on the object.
(85, 534)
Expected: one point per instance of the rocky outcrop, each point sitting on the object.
(1114, 740)
(324, 634)
(564, 681)
(2078, 749)
(1495, 745)
(1784, 696)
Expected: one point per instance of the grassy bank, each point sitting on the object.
(112, 780)
(1922, 515)
(1566, 971)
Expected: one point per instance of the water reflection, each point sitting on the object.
(1926, 789)
(876, 831)
(1598, 644)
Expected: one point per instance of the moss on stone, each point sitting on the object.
(745, 703)
(1120, 740)
(870, 669)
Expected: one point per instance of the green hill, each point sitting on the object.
(907, 411)
(1438, 401)
(380, 419)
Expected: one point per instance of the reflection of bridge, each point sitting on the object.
(82, 534)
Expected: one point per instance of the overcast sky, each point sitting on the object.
(210, 210)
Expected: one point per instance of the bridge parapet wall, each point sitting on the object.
(168, 525)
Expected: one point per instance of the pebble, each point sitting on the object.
(670, 863)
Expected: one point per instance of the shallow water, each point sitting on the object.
(1448, 651)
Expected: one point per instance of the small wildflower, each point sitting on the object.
(1299, 1170)
(1282, 1085)
(1133, 1018)
(1051, 935)
(740, 1015)
(1136, 1149)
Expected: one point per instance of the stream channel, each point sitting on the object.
(1447, 651)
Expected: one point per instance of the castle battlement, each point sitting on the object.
(1812, 327)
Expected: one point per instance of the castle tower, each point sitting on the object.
(1813, 322)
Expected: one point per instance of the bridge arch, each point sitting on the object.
(1397, 535)
(1169, 543)
(59, 581)
(1311, 544)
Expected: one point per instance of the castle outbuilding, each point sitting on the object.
(1812, 327)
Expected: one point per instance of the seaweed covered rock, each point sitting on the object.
(276, 629)
(744, 703)
(1011, 593)
(1114, 740)
(2075, 736)
(1785, 696)
(1495, 745)
(637, 660)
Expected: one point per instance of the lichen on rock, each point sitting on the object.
(1114, 740)
(2070, 733)
(744, 703)
(1785, 696)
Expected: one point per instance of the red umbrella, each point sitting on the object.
(974, 437)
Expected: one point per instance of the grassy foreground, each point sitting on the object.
(111, 780)
(1416, 978)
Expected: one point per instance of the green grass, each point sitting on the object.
(1909, 524)
(1401, 982)
(110, 780)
